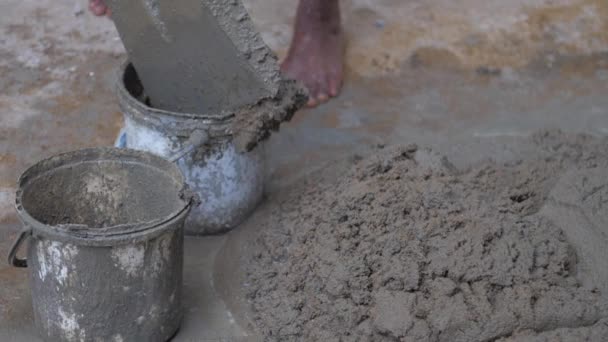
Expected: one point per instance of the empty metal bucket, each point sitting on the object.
(229, 182)
(105, 254)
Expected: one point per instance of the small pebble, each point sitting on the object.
(379, 23)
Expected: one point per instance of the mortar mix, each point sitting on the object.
(407, 247)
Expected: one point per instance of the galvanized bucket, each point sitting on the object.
(105, 254)
(230, 183)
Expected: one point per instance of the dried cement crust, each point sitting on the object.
(408, 248)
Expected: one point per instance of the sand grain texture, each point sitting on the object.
(407, 247)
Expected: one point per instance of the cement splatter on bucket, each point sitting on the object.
(226, 172)
(105, 252)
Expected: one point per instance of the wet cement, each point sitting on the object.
(187, 60)
(207, 59)
(406, 246)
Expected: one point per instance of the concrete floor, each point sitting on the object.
(56, 94)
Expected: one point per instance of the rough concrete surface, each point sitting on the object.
(407, 247)
(496, 72)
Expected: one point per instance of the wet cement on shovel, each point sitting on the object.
(407, 247)
(205, 58)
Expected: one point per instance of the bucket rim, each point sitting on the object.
(86, 235)
(208, 118)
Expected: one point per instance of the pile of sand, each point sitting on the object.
(407, 247)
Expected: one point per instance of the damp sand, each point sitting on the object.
(406, 246)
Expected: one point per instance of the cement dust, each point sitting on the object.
(407, 247)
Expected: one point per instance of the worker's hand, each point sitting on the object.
(99, 8)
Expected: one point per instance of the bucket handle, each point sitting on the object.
(13, 260)
(196, 139)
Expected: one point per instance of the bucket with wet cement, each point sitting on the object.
(228, 181)
(105, 252)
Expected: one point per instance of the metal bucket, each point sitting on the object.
(105, 252)
(230, 183)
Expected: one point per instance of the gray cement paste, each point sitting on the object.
(205, 59)
(408, 247)
(196, 56)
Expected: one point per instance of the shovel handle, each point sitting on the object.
(13, 260)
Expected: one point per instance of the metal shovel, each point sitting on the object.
(195, 56)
